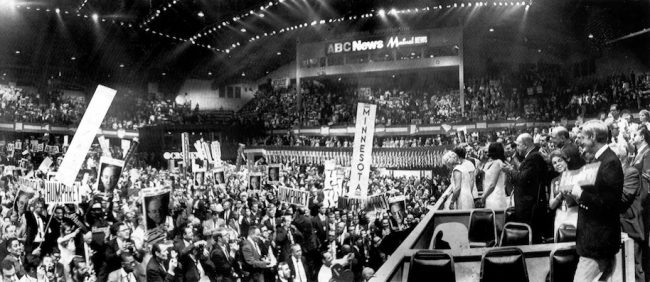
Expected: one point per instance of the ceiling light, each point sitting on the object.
(17, 52)
(200, 14)
(73, 58)
(164, 73)
(243, 30)
(121, 65)
(209, 73)
(58, 11)
(95, 17)
(491, 29)
(591, 36)
(279, 53)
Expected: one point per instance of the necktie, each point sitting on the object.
(300, 271)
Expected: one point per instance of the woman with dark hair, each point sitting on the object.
(494, 192)
(566, 208)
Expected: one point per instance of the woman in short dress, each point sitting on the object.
(462, 182)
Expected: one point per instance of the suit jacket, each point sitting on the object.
(18, 265)
(253, 262)
(223, 262)
(632, 204)
(305, 266)
(190, 272)
(283, 241)
(575, 160)
(320, 227)
(599, 227)
(182, 248)
(531, 176)
(156, 273)
(32, 229)
(116, 276)
(640, 164)
(113, 261)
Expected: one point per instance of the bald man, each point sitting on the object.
(530, 179)
(561, 139)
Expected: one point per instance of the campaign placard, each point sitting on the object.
(59, 193)
(293, 196)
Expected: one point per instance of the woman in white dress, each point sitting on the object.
(566, 209)
(462, 182)
(494, 192)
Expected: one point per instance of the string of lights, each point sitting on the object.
(378, 13)
(124, 24)
(214, 27)
(193, 40)
(158, 12)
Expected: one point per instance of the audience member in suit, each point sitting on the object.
(254, 264)
(632, 208)
(126, 272)
(561, 139)
(222, 259)
(286, 235)
(300, 271)
(35, 224)
(184, 245)
(316, 198)
(211, 224)
(284, 273)
(270, 220)
(158, 269)
(599, 228)
(266, 247)
(530, 179)
(118, 246)
(14, 256)
(193, 268)
(642, 164)
(319, 223)
(8, 232)
(228, 213)
(54, 230)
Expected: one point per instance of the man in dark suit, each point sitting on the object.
(632, 209)
(530, 179)
(222, 260)
(158, 270)
(118, 246)
(300, 271)
(286, 235)
(599, 229)
(319, 223)
(254, 264)
(35, 228)
(194, 264)
(561, 139)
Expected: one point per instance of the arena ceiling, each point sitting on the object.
(136, 41)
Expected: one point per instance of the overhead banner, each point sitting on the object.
(293, 196)
(59, 193)
(362, 150)
(85, 134)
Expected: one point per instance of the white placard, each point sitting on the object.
(59, 193)
(362, 150)
(331, 184)
(85, 134)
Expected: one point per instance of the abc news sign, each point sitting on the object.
(370, 45)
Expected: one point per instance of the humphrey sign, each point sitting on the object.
(370, 45)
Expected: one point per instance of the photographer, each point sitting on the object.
(80, 270)
(122, 244)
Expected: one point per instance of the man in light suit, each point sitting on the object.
(599, 228)
(300, 271)
(126, 272)
(253, 261)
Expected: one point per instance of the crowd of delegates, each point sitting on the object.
(532, 95)
(525, 175)
(127, 111)
(211, 230)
